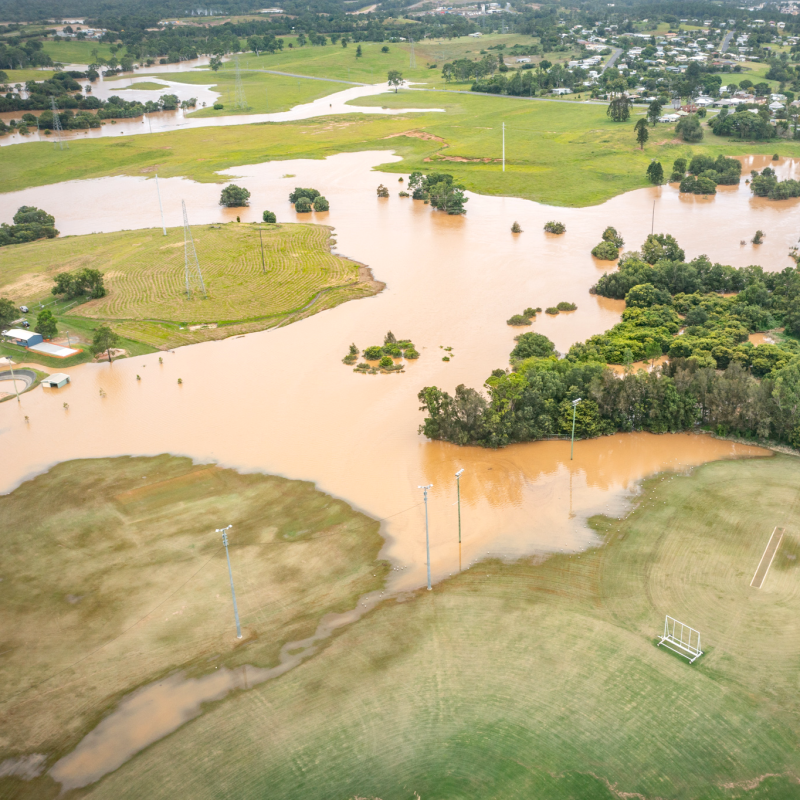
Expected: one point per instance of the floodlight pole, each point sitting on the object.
(224, 532)
(574, 411)
(14, 381)
(504, 147)
(427, 537)
(458, 490)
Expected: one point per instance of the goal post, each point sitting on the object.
(681, 639)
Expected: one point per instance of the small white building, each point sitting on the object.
(563, 90)
(56, 380)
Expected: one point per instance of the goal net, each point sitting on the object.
(681, 639)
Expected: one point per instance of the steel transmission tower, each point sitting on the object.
(57, 125)
(240, 100)
(191, 264)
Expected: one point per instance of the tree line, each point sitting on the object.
(714, 376)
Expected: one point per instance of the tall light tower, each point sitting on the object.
(427, 537)
(574, 411)
(458, 492)
(224, 532)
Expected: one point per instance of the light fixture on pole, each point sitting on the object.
(458, 490)
(224, 532)
(574, 411)
(427, 537)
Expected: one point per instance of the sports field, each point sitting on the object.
(113, 576)
(144, 274)
(75, 52)
(542, 680)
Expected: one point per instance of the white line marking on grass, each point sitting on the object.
(766, 559)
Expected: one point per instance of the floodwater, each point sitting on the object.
(451, 282)
(334, 103)
(288, 406)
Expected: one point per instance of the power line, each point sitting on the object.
(191, 264)
(57, 125)
(240, 101)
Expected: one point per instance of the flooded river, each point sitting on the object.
(289, 406)
(282, 402)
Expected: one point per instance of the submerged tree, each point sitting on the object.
(234, 196)
(655, 173)
(104, 340)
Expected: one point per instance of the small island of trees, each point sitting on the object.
(440, 190)
(306, 200)
(30, 224)
(525, 318)
(706, 173)
(608, 249)
(383, 356)
(234, 196)
(555, 227)
(562, 306)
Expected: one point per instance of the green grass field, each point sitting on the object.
(114, 564)
(543, 680)
(76, 52)
(145, 279)
(23, 75)
(559, 153)
(145, 86)
(265, 93)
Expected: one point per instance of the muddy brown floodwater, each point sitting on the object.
(282, 402)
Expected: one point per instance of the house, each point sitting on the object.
(56, 380)
(776, 106)
(669, 118)
(22, 337)
(563, 90)
(475, 35)
(524, 60)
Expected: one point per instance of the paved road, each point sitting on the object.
(611, 61)
(726, 41)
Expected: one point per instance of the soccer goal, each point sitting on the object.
(681, 639)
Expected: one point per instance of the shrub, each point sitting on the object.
(269, 216)
(303, 205)
(321, 204)
(610, 235)
(411, 353)
(759, 237)
(518, 319)
(655, 173)
(373, 353)
(218, 106)
(775, 157)
(234, 196)
(404, 194)
(385, 362)
(531, 312)
(299, 192)
(382, 191)
(564, 306)
(605, 251)
(555, 227)
(515, 228)
(552, 311)
(532, 344)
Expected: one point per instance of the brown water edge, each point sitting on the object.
(522, 477)
(156, 710)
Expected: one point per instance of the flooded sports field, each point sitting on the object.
(282, 402)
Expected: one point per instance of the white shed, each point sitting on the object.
(56, 380)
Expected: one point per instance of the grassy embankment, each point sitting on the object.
(113, 576)
(145, 280)
(148, 86)
(557, 153)
(541, 680)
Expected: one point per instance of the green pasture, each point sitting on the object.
(557, 152)
(23, 75)
(146, 86)
(265, 93)
(541, 680)
(115, 565)
(71, 51)
(144, 278)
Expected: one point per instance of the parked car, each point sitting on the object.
(24, 324)
(23, 309)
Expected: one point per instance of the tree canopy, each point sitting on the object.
(234, 196)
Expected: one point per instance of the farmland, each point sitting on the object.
(145, 278)
(542, 679)
(151, 594)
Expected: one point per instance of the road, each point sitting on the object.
(726, 41)
(611, 61)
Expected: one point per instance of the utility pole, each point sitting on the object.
(427, 537)
(458, 490)
(14, 381)
(224, 532)
(263, 265)
(574, 411)
(504, 147)
(160, 207)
